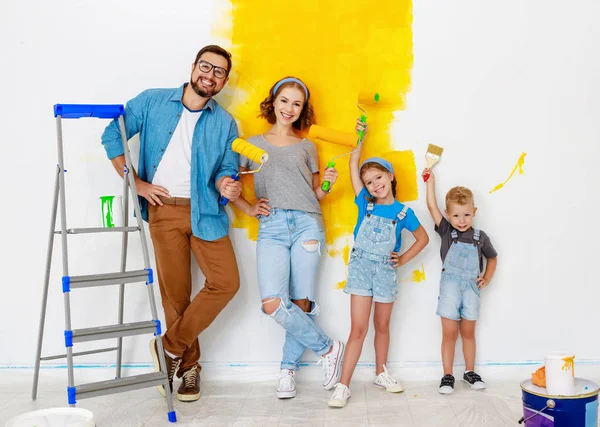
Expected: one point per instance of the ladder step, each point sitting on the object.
(119, 385)
(106, 279)
(80, 353)
(99, 230)
(114, 331)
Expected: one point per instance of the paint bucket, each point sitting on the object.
(541, 409)
(560, 373)
(112, 211)
(54, 417)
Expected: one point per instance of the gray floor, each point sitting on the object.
(254, 404)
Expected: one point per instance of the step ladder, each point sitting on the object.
(69, 283)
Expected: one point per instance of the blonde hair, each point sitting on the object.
(459, 196)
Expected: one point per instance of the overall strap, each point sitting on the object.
(454, 235)
(402, 214)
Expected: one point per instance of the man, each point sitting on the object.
(185, 164)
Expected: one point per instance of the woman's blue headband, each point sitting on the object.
(290, 80)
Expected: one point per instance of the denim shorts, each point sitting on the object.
(371, 276)
(287, 265)
(459, 297)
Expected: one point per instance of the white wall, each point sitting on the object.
(490, 79)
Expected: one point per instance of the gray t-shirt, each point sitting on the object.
(486, 250)
(286, 179)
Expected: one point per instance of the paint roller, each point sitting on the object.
(252, 152)
(344, 138)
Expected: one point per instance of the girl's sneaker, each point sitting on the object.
(340, 396)
(286, 387)
(386, 381)
(447, 384)
(474, 380)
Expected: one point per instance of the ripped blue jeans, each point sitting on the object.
(288, 254)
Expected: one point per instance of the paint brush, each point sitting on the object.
(434, 153)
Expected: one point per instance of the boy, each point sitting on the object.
(463, 249)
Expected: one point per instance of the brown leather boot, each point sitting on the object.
(189, 390)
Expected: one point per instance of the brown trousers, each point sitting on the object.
(171, 232)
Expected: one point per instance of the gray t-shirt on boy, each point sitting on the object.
(286, 179)
(486, 250)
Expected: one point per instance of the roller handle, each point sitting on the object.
(326, 186)
(361, 134)
(224, 200)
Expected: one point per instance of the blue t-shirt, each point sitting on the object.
(410, 221)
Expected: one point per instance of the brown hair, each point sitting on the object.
(459, 196)
(374, 165)
(307, 116)
(213, 48)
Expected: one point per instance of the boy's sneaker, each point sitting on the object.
(474, 380)
(447, 384)
(332, 365)
(286, 387)
(172, 365)
(340, 396)
(189, 389)
(386, 381)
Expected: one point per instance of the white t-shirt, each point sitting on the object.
(175, 168)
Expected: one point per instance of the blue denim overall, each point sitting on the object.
(370, 270)
(459, 294)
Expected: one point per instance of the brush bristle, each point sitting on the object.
(434, 149)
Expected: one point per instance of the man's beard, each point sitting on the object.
(204, 93)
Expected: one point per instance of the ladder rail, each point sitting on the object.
(63, 235)
(42, 323)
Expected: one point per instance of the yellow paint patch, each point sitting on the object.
(340, 285)
(569, 364)
(519, 165)
(339, 48)
(419, 275)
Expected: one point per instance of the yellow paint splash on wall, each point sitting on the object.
(519, 165)
(419, 275)
(340, 48)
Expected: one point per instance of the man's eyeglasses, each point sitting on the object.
(206, 66)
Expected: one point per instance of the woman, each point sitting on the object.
(291, 234)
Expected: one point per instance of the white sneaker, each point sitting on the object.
(286, 387)
(340, 396)
(386, 381)
(332, 365)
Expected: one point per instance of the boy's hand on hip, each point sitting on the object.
(482, 282)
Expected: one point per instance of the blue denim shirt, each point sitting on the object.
(154, 114)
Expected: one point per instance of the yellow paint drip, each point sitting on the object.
(340, 285)
(569, 364)
(519, 165)
(419, 275)
(340, 49)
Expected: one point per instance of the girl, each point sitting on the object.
(291, 231)
(371, 269)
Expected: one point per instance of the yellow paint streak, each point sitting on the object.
(519, 165)
(569, 364)
(340, 48)
(340, 285)
(419, 275)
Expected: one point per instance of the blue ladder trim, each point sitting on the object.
(71, 393)
(158, 329)
(150, 276)
(68, 338)
(77, 111)
(66, 284)
(172, 417)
